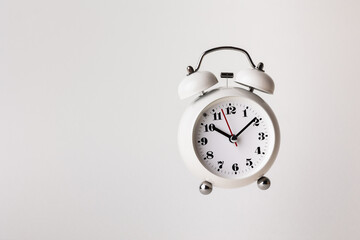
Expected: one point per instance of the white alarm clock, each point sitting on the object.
(228, 136)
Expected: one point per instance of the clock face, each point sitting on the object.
(233, 137)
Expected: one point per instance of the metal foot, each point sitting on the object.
(263, 183)
(205, 187)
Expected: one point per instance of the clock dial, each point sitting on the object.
(233, 137)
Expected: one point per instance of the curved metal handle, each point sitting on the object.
(221, 48)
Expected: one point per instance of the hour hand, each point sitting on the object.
(221, 132)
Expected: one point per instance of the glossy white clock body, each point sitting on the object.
(211, 154)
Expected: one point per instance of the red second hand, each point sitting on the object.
(228, 124)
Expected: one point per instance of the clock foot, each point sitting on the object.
(263, 183)
(205, 187)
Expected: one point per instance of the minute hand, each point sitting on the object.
(246, 127)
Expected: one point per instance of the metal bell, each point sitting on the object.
(257, 79)
(195, 83)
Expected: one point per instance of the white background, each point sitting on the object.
(89, 114)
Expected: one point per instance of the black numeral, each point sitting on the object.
(230, 110)
(249, 162)
(235, 167)
(203, 141)
(244, 111)
(262, 136)
(258, 151)
(209, 127)
(220, 163)
(209, 155)
(257, 121)
(217, 116)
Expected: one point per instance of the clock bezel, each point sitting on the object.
(259, 110)
(186, 129)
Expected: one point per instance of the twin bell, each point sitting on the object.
(197, 82)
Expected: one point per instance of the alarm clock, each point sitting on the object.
(228, 136)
